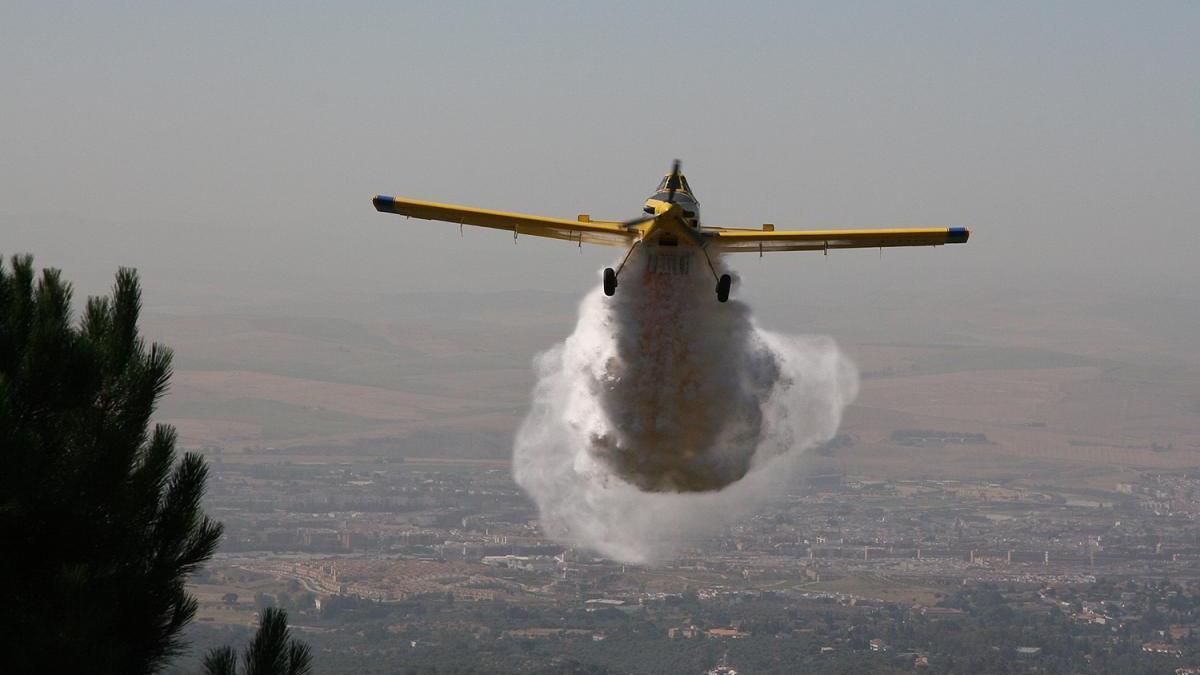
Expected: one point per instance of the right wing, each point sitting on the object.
(607, 233)
(732, 239)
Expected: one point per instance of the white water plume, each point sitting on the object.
(666, 414)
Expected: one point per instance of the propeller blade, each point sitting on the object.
(673, 182)
(634, 222)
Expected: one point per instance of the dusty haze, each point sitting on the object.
(230, 154)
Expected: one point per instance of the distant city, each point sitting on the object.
(388, 565)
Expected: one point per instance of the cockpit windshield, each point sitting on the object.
(677, 182)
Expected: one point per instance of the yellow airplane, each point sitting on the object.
(671, 230)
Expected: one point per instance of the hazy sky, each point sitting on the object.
(233, 148)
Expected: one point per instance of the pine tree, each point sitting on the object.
(100, 526)
(272, 652)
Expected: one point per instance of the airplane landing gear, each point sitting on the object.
(723, 285)
(610, 275)
(724, 281)
(610, 281)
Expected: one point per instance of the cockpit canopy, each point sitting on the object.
(683, 197)
(679, 183)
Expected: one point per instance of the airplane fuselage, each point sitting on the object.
(674, 189)
(657, 203)
(676, 212)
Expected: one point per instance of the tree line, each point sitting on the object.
(100, 519)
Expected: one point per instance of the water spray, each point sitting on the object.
(665, 415)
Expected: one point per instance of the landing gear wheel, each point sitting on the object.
(723, 285)
(610, 281)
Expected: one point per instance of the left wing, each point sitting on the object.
(584, 230)
(733, 240)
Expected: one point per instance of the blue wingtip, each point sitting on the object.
(957, 235)
(383, 202)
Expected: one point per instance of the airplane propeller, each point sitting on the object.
(634, 222)
(673, 182)
(672, 186)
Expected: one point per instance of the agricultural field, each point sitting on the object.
(1084, 394)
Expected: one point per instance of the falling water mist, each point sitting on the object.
(666, 414)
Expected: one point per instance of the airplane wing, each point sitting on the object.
(608, 233)
(768, 239)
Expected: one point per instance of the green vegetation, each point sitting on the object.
(272, 652)
(101, 525)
